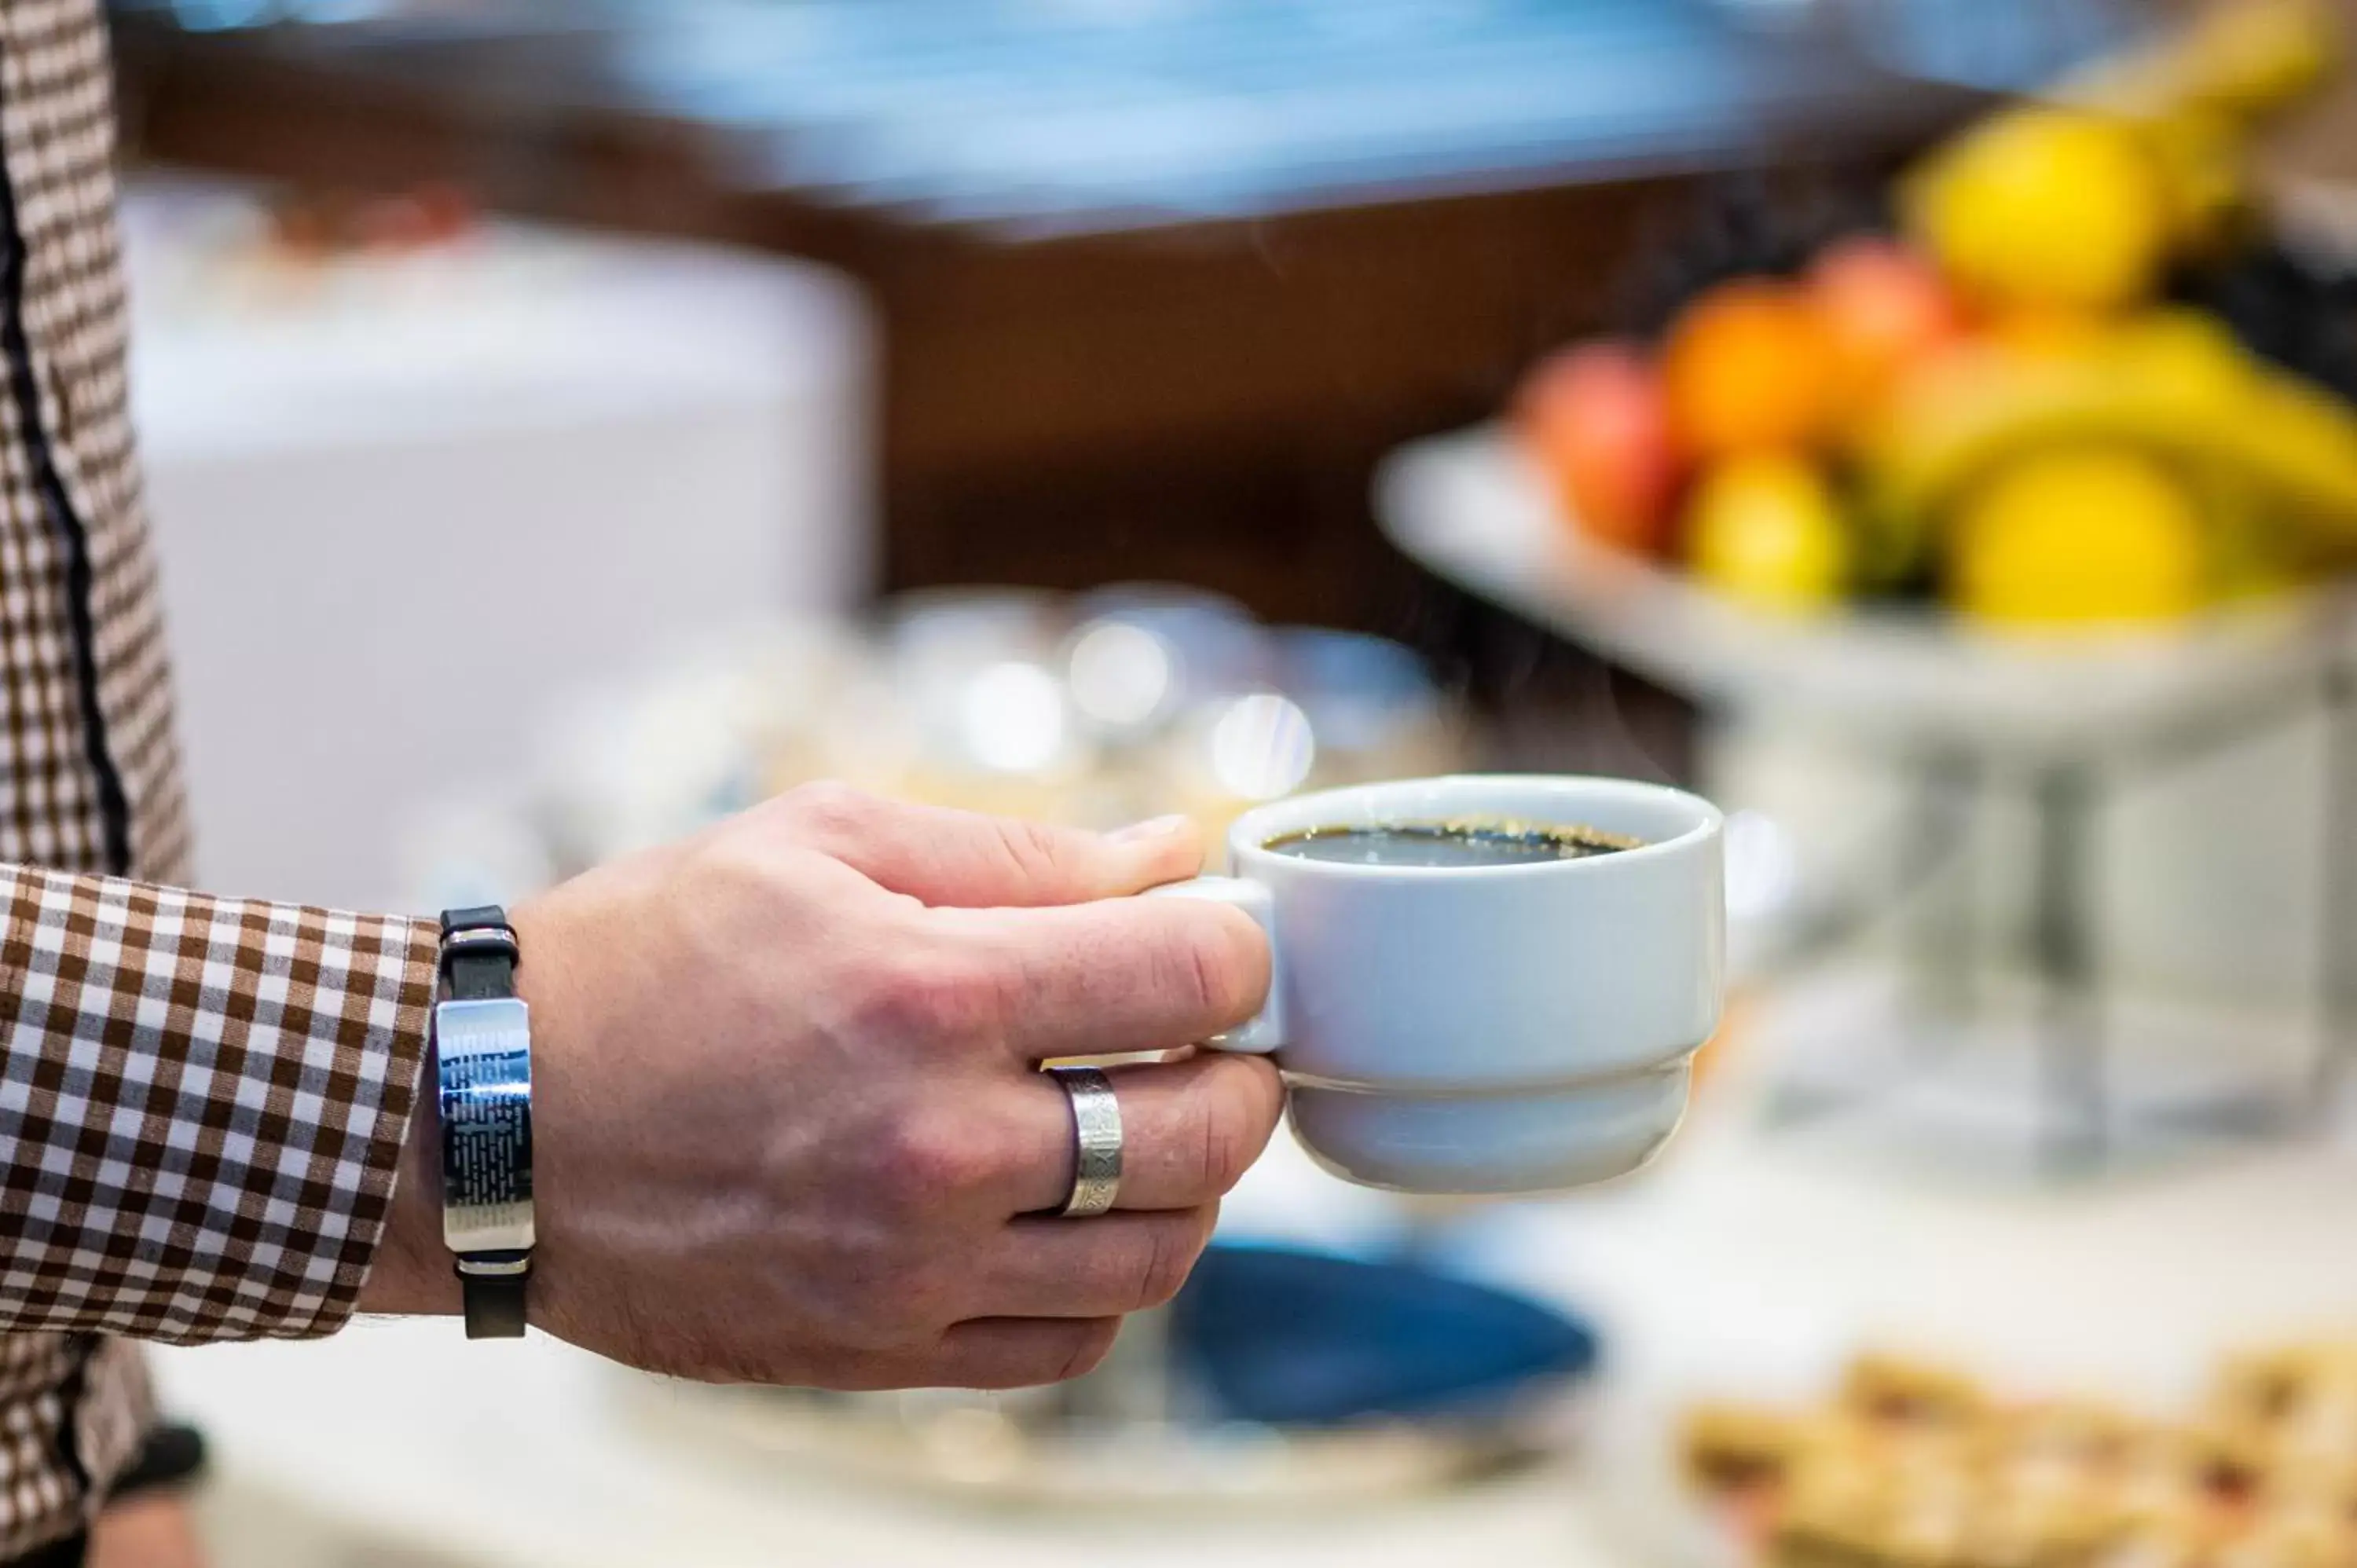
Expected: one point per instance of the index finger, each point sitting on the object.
(941, 856)
(1120, 974)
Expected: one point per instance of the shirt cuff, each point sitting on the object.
(202, 1104)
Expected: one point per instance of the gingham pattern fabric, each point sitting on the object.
(201, 1102)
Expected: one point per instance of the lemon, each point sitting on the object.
(1764, 528)
(2045, 207)
(2074, 534)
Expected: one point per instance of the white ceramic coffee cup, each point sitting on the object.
(1484, 1030)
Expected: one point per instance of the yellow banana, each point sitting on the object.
(2242, 59)
(2173, 385)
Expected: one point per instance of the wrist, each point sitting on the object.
(413, 1272)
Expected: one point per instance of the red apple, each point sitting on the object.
(1886, 307)
(1595, 418)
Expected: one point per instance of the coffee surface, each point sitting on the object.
(1449, 844)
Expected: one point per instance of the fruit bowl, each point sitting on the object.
(1472, 508)
(2070, 371)
(2021, 483)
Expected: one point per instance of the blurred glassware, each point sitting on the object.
(934, 639)
(1259, 747)
(1371, 705)
(925, 625)
(1214, 645)
(1123, 676)
(1011, 717)
(1092, 709)
(974, 669)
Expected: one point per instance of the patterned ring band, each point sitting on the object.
(1096, 1140)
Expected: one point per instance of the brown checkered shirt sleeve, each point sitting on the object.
(201, 1101)
(202, 1106)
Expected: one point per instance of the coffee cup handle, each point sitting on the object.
(1265, 1032)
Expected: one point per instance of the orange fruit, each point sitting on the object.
(1595, 419)
(1887, 309)
(1749, 365)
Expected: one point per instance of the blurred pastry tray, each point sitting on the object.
(1468, 508)
(1294, 1377)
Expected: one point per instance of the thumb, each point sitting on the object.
(965, 859)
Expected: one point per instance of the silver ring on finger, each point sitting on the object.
(1096, 1140)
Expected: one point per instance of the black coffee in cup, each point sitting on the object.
(1449, 844)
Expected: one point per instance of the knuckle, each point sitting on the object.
(829, 809)
(927, 1160)
(937, 995)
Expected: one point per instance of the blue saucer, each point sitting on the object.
(1292, 1338)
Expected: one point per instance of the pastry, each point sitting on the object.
(1730, 1446)
(1908, 1392)
(1913, 1465)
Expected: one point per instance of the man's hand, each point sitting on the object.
(787, 1126)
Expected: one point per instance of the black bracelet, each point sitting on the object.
(482, 1039)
